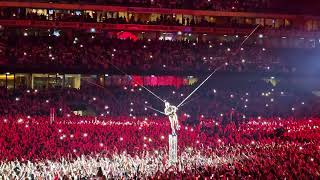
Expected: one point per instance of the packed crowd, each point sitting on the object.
(119, 147)
(252, 131)
(167, 20)
(92, 52)
(252, 99)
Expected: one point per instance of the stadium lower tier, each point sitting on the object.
(123, 147)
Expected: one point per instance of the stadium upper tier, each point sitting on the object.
(59, 51)
(97, 53)
(285, 6)
(160, 19)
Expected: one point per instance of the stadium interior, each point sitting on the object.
(83, 85)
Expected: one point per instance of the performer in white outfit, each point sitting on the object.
(171, 112)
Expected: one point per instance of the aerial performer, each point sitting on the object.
(171, 112)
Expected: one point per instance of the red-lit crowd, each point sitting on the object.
(122, 147)
(252, 131)
(98, 52)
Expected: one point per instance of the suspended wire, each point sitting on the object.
(149, 107)
(98, 85)
(183, 102)
(199, 86)
(136, 82)
(217, 68)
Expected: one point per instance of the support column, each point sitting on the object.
(6, 81)
(48, 77)
(173, 149)
(32, 81)
(14, 81)
(52, 114)
(64, 81)
(56, 80)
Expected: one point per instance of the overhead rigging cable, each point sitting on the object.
(149, 107)
(199, 86)
(136, 82)
(254, 30)
(216, 68)
(155, 109)
(115, 99)
(190, 101)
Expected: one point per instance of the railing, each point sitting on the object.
(161, 28)
(149, 10)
